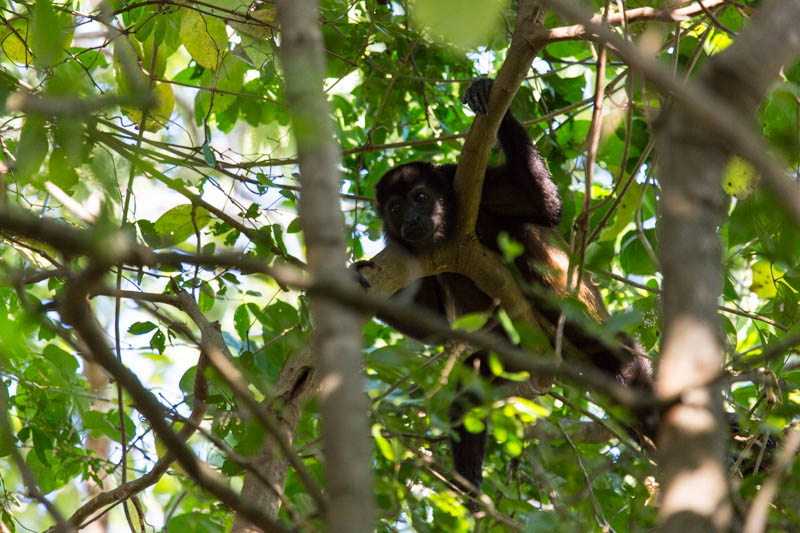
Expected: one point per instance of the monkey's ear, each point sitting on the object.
(445, 175)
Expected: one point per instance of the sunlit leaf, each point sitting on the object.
(383, 445)
(204, 37)
(740, 178)
(13, 39)
(158, 116)
(471, 321)
(763, 279)
(264, 25)
(624, 213)
(177, 224)
(461, 23)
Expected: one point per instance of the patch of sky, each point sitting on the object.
(397, 9)
(541, 66)
(482, 60)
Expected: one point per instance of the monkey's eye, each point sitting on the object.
(420, 197)
(394, 208)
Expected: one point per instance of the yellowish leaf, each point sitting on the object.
(204, 37)
(740, 179)
(794, 397)
(158, 116)
(763, 280)
(10, 41)
(265, 25)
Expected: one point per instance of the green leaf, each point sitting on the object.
(740, 178)
(241, 321)
(525, 409)
(139, 328)
(513, 446)
(383, 445)
(508, 326)
(634, 258)
(62, 173)
(626, 209)
(9, 521)
(781, 122)
(764, 276)
(66, 363)
(195, 522)
(41, 445)
(158, 116)
(32, 148)
(567, 49)
(17, 50)
(277, 233)
(186, 383)
(112, 417)
(474, 420)
(98, 425)
(158, 341)
(460, 23)
(510, 248)
(46, 473)
(175, 226)
(294, 226)
(471, 321)
(207, 298)
(49, 37)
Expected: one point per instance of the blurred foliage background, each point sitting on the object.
(210, 165)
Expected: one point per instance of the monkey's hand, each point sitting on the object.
(356, 267)
(476, 96)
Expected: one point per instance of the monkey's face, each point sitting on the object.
(415, 218)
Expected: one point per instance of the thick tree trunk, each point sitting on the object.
(693, 434)
(337, 333)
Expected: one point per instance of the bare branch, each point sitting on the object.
(639, 14)
(756, 521)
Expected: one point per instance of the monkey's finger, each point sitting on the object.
(483, 87)
(475, 101)
(356, 267)
(480, 104)
(472, 99)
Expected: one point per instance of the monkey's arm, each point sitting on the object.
(424, 292)
(523, 186)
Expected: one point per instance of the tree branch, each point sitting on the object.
(756, 521)
(702, 104)
(692, 436)
(483, 132)
(639, 14)
(77, 313)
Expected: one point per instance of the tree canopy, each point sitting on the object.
(161, 278)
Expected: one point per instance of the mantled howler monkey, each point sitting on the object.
(418, 206)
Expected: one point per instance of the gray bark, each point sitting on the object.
(692, 437)
(337, 333)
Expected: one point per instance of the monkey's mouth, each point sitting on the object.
(417, 235)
